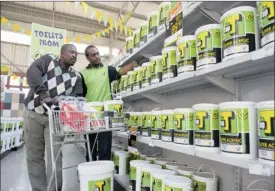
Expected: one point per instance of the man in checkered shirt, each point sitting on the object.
(48, 77)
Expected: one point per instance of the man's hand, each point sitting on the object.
(48, 101)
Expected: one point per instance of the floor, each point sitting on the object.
(14, 175)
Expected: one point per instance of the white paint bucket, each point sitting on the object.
(152, 24)
(238, 129)
(115, 106)
(97, 119)
(122, 84)
(146, 78)
(162, 162)
(143, 33)
(138, 78)
(168, 125)
(131, 79)
(146, 123)
(173, 166)
(156, 67)
(136, 40)
(177, 183)
(121, 160)
(169, 55)
(156, 125)
(186, 171)
(266, 130)
(206, 134)
(164, 8)
(135, 166)
(146, 175)
(96, 175)
(129, 45)
(158, 177)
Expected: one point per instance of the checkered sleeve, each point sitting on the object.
(78, 88)
(34, 75)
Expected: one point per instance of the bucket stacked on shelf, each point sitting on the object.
(163, 20)
(167, 118)
(177, 183)
(129, 45)
(114, 107)
(169, 69)
(146, 78)
(135, 172)
(121, 160)
(153, 22)
(136, 40)
(146, 176)
(173, 166)
(158, 177)
(162, 162)
(97, 118)
(186, 171)
(155, 130)
(147, 124)
(156, 66)
(143, 33)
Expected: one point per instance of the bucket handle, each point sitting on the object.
(258, 180)
(210, 167)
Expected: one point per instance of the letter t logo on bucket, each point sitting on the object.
(200, 118)
(203, 37)
(267, 122)
(100, 185)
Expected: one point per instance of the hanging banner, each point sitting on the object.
(46, 40)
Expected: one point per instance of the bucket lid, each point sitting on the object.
(136, 31)
(124, 76)
(138, 68)
(187, 169)
(178, 181)
(165, 3)
(153, 13)
(265, 104)
(186, 38)
(136, 163)
(237, 104)
(167, 111)
(122, 153)
(162, 161)
(205, 106)
(168, 49)
(146, 64)
(207, 27)
(162, 173)
(237, 9)
(113, 102)
(174, 165)
(156, 58)
(96, 167)
(183, 110)
(143, 23)
(203, 176)
(150, 167)
(130, 72)
(129, 38)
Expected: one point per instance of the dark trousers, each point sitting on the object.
(104, 146)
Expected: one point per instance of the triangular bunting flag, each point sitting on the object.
(28, 32)
(128, 15)
(107, 30)
(116, 26)
(98, 15)
(98, 34)
(16, 27)
(78, 39)
(89, 37)
(111, 22)
(14, 77)
(4, 68)
(91, 11)
(67, 40)
(105, 20)
(130, 32)
(4, 20)
(125, 30)
(84, 6)
(102, 33)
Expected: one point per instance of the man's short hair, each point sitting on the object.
(87, 48)
(65, 47)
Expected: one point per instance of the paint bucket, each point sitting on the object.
(186, 54)
(239, 32)
(135, 166)
(146, 175)
(156, 69)
(115, 148)
(266, 22)
(118, 91)
(122, 84)
(205, 180)
(121, 160)
(131, 80)
(186, 171)
(114, 87)
(97, 118)
(146, 123)
(138, 78)
(136, 39)
(143, 33)
(238, 129)
(162, 162)
(152, 24)
(208, 42)
(206, 127)
(184, 126)
(125, 83)
(155, 130)
(266, 130)
(173, 166)
(146, 78)
(129, 45)
(127, 116)
(115, 106)
(169, 55)
(168, 126)
(96, 175)
(164, 8)
(158, 177)
(177, 183)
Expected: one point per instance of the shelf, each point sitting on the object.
(123, 180)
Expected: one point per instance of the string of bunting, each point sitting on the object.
(6, 69)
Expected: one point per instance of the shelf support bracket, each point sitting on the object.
(225, 84)
(154, 97)
(211, 14)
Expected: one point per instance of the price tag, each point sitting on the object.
(260, 169)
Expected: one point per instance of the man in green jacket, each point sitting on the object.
(97, 80)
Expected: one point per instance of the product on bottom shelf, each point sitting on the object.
(155, 130)
(121, 160)
(143, 33)
(184, 126)
(96, 175)
(158, 177)
(152, 24)
(208, 49)
(266, 22)
(238, 129)
(173, 166)
(266, 131)
(205, 181)
(156, 69)
(136, 40)
(146, 78)
(129, 45)
(134, 178)
(146, 174)
(162, 162)
(137, 79)
(186, 54)
(115, 106)
(170, 69)
(163, 20)
(207, 134)
(186, 171)
(168, 125)
(177, 183)
(239, 32)
(147, 124)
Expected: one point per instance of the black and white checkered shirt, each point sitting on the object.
(46, 78)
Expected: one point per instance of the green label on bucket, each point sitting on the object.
(143, 33)
(100, 185)
(152, 25)
(208, 47)
(186, 56)
(145, 181)
(171, 188)
(163, 14)
(116, 161)
(207, 128)
(266, 131)
(129, 45)
(169, 60)
(238, 33)
(155, 68)
(133, 173)
(146, 74)
(136, 39)
(199, 186)
(167, 122)
(266, 21)
(117, 109)
(234, 130)
(156, 184)
(184, 127)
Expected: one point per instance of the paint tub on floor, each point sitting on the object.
(129, 45)
(152, 24)
(186, 54)
(186, 171)
(173, 166)
(96, 175)
(206, 134)
(158, 177)
(143, 33)
(146, 120)
(168, 126)
(138, 78)
(121, 159)
(164, 8)
(266, 130)
(116, 107)
(208, 49)
(136, 39)
(162, 162)
(238, 129)
(184, 126)
(170, 69)
(239, 32)
(266, 22)
(156, 66)
(177, 183)
(206, 181)
(146, 176)
(135, 166)
(155, 130)
(146, 78)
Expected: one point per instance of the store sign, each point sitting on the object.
(46, 40)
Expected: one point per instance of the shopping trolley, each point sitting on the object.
(72, 123)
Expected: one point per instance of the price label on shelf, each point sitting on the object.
(260, 169)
